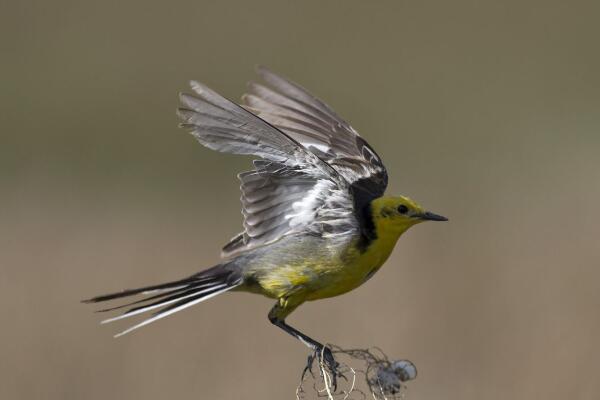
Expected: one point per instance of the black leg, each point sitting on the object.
(322, 353)
(307, 340)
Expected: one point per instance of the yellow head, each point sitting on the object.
(394, 215)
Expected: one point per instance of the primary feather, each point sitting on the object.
(311, 122)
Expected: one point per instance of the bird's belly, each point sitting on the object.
(312, 281)
(342, 279)
(321, 276)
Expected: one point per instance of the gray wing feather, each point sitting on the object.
(221, 125)
(311, 122)
(290, 190)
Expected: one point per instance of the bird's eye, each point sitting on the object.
(402, 209)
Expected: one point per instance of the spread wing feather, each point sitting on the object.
(315, 171)
(312, 123)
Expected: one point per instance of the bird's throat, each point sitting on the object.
(379, 248)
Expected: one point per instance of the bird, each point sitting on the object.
(316, 222)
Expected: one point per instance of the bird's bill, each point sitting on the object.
(429, 216)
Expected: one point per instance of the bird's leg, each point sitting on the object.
(320, 352)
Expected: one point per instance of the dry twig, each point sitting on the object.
(384, 379)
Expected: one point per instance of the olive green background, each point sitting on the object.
(484, 111)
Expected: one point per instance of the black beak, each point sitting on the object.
(429, 216)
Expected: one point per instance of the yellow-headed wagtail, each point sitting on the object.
(316, 224)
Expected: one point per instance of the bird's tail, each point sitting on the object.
(172, 297)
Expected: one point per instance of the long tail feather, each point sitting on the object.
(168, 311)
(172, 297)
(176, 298)
(131, 292)
(162, 293)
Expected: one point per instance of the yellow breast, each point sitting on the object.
(353, 268)
(320, 274)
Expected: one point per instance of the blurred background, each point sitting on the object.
(484, 111)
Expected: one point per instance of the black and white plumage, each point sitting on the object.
(171, 297)
(315, 175)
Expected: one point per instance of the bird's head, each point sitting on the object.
(397, 214)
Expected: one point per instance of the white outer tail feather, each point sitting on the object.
(143, 310)
(223, 287)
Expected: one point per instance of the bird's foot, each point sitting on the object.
(328, 367)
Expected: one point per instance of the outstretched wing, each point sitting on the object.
(290, 190)
(315, 174)
(309, 121)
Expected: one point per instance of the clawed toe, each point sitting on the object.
(309, 364)
(326, 363)
(326, 359)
